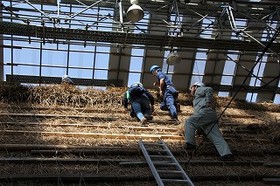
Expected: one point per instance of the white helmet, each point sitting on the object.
(198, 84)
(67, 79)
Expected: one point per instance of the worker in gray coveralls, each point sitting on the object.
(205, 118)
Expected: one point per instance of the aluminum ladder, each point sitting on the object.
(164, 166)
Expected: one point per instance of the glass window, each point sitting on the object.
(80, 73)
(251, 97)
(101, 74)
(136, 64)
(53, 71)
(102, 61)
(199, 67)
(200, 63)
(201, 55)
(207, 27)
(26, 70)
(277, 99)
(223, 94)
(226, 80)
(258, 72)
(133, 77)
(58, 58)
(77, 59)
(229, 68)
(196, 79)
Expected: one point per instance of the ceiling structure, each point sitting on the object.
(232, 45)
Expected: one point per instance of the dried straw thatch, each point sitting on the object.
(52, 121)
(69, 95)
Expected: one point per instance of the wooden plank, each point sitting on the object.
(54, 149)
(202, 163)
(117, 136)
(81, 125)
(121, 111)
(179, 150)
(272, 180)
(238, 116)
(58, 108)
(104, 118)
(88, 151)
(97, 135)
(272, 164)
(20, 147)
(131, 177)
(259, 124)
(124, 161)
(61, 160)
(175, 130)
(66, 178)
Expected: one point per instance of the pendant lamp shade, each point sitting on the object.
(135, 13)
(173, 58)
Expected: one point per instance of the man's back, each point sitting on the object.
(203, 95)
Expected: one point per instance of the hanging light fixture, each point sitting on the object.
(134, 13)
(173, 58)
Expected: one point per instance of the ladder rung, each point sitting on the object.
(155, 150)
(153, 144)
(165, 160)
(160, 156)
(175, 180)
(164, 163)
(169, 171)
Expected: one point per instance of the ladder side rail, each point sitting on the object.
(151, 165)
(185, 176)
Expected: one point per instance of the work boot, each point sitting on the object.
(227, 157)
(178, 107)
(189, 146)
(176, 121)
(148, 117)
(144, 122)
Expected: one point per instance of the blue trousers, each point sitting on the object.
(141, 107)
(168, 103)
(205, 119)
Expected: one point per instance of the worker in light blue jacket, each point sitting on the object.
(205, 118)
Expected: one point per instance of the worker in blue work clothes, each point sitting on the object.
(168, 93)
(142, 102)
(205, 118)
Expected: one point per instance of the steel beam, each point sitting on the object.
(131, 38)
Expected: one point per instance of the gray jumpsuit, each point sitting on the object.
(204, 118)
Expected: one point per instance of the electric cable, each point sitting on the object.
(257, 77)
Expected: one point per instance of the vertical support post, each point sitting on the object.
(121, 13)
(1, 54)
(1, 59)
(231, 18)
(58, 8)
